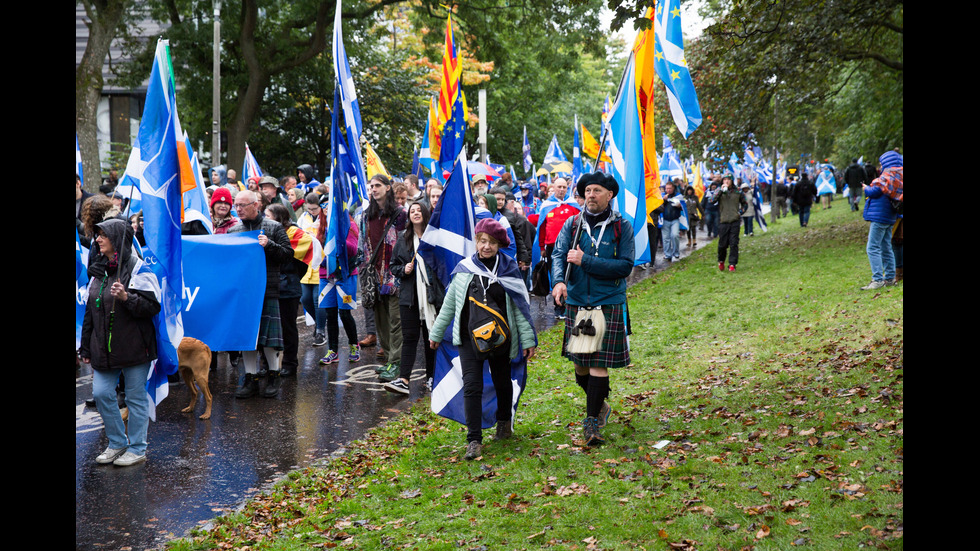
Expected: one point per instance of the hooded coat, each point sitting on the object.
(118, 334)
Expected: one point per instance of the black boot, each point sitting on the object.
(273, 384)
(249, 388)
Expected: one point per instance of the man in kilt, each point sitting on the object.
(589, 275)
(275, 243)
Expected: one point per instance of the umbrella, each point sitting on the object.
(476, 167)
(561, 166)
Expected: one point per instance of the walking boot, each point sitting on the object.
(273, 385)
(590, 431)
(249, 388)
(504, 431)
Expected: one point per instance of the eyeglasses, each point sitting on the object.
(243, 205)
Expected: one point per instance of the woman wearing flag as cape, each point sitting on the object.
(488, 299)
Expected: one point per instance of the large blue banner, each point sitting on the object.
(224, 286)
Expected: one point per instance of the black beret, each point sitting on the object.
(597, 178)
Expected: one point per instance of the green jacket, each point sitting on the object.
(521, 332)
(731, 205)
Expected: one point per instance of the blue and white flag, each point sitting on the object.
(449, 236)
(576, 155)
(342, 176)
(250, 167)
(196, 204)
(826, 183)
(671, 67)
(760, 218)
(447, 383)
(526, 153)
(348, 101)
(78, 159)
(625, 143)
(129, 184)
(81, 287)
(160, 187)
(555, 154)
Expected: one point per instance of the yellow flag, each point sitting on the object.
(374, 165)
(591, 147)
(643, 51)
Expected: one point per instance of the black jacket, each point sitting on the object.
(401, 254)
(118, 334)
(277, 251)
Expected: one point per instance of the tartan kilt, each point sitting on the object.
(613, 352)
(270, 325)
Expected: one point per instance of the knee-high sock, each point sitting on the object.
(595, 395)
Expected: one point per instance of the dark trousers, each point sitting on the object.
(333, 327)
(412, 330)
(473, 388)
(728, 239)
(288, 311)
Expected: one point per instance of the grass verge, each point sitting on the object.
(763, 410)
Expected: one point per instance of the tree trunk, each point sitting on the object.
(104, 20)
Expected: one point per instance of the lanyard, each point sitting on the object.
(595, 242)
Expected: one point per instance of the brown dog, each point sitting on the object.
(194, 358)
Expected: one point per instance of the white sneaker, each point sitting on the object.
(129, 458)
(109, 455)
(877, 284)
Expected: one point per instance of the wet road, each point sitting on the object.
(197, 470)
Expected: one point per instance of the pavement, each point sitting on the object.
(198, 470)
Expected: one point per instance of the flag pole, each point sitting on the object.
(602, 141)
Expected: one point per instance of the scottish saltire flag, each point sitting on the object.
(684, 220)
(555, 153)
(128, 185)
(196, 204)
(81, 287)
(760, 217)
(826, 183)
(162, 160)
(78, 160)
(449, 236)
(576, 155)
(348, 100)
(626, 152)
(526, 153)
(672, 67)
(250, 167)
(447, 389)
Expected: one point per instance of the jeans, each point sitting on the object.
(804, 215)
(311, 294)
(880, 253)
(137, 400)
(472, 367)
(711, 222)
(747, 221)
(671, 236)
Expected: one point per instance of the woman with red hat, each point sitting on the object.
(221, 216)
